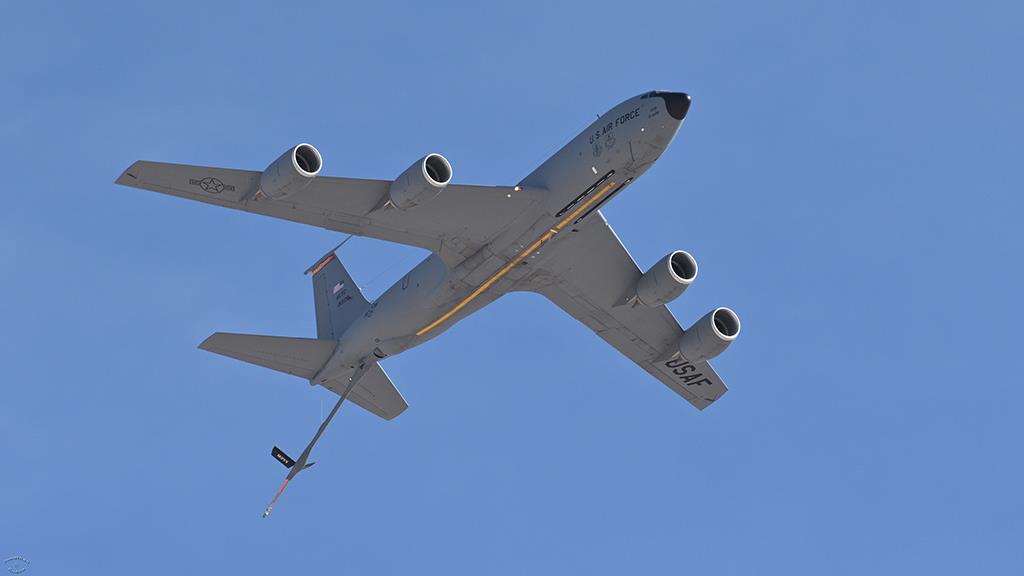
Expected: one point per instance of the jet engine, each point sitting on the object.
(421, 182)
(292, 172)
(710, 336)
(667, 279)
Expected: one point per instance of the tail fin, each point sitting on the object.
(338, 300)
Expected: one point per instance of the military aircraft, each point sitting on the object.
(545, 234)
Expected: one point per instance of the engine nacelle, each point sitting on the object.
(421, 182)
(710, 336)
(292, 172)
(667, 279)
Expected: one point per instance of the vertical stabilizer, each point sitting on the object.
(339, 302)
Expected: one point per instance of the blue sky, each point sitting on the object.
(849, 178)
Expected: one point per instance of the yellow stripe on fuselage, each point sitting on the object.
(522, 255)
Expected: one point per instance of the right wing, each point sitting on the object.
(587, 275)
(455, 224)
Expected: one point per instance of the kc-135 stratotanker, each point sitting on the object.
(545, 234)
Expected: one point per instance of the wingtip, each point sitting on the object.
(705, 402)
(208, 343)
(130, 177)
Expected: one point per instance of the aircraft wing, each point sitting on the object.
(589, 276)
(455, 224)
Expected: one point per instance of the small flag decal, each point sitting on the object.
(338, 287)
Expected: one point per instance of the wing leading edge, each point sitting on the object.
(588, 277)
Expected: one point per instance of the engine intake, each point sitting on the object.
(667, 279)
(421, 182)
(710, 336)
(291, 172)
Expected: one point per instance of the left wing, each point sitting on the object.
(588, 275)
(455, 224)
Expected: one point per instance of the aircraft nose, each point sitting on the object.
(677, 103)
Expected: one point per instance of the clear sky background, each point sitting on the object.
(849, 178)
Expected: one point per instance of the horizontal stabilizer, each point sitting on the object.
(304, 357)
(375, 392)
(301, 357)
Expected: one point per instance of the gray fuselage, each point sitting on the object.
(598, 163)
